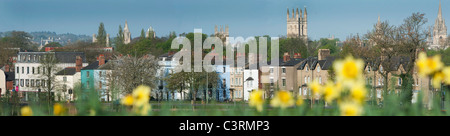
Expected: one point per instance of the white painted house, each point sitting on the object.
(250, 80)
(28, 69)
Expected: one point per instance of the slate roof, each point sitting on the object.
(291, 62)
(67, 71)
(62, 57)
(94, 65)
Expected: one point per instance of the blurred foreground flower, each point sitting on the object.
(331, 92)
(428, 65)
(58, 109)
(358, 93)
(349, 70)
(282, 99)
(257, 100)
(299, 101)
(26, 111)
(138, 100)
(350, 109)
(315, 87)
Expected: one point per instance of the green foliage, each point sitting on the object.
(101, 35)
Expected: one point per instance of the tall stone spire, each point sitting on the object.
(440, 29)
(107, 40)
(440, 10)
(126, 34)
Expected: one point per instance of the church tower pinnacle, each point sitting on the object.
(439, 29)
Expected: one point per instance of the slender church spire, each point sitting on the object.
(440, 10)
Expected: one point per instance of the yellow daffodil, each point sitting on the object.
(127, 100)
(428, 65)
(26, 111)
(331, 92)
(299, 101)
(437, 79)
(315, 87)
(141, 95)
(358, 93)
(446, 72)
(257, 100)
(350, 109)
(282, 99)
(349, 70)
(58, 109)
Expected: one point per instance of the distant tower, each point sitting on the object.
(297, 25)
(94, 38)
(126, 34)
(222, 34)
(107, 40)
(440, 29)
(150, 33)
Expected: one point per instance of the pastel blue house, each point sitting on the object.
(93, 77)
(223, 86)
(166, 65)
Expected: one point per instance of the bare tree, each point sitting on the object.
(49, 63)
(129, 72)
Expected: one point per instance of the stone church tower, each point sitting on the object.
(297, 25)
(126, 34)
(440, 29)
(222, 34)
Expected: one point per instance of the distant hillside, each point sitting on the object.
(63, 39)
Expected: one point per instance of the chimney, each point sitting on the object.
(286, 57)
(78, 64)
(297, 55)
(323, 54)
(101, 59)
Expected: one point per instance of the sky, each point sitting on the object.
(245, 18)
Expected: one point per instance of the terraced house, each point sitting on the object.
(314, 68)
(29, 72)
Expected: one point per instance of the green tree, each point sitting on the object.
(142, 33)
(101, 35)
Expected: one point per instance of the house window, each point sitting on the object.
(21, 82)
(38, 82)
(43, 70)
(305, 91)
(65, 79)
(28, 70)
(87, 84)
(100, 74)
(100, 84)
(320, 80)
(378, 93)
(27, 82)
(43, 83)
(87, 73)
(284, 70)
(306, 80)
(284, 82)
(23, 70)
(39, 70)
(32, 70)
(271, 70)
(370, 80)
(17, 70)
(32, 82)
(399, 81)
